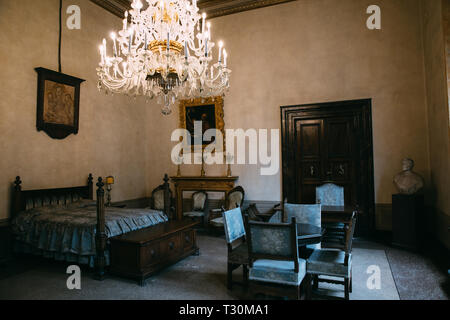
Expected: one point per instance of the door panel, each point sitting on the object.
(308, 158)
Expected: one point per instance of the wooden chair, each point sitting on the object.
(158, 201)
(233, 199)
(333, 263)
(199, 204)
(254, 214)
(330, 194)
(275, 267)
(237, 246)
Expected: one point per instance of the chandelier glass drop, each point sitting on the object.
(165, 52)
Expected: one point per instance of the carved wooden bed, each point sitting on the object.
(24, 199)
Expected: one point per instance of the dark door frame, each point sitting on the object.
(361, 110)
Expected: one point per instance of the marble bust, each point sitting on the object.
(407, 181)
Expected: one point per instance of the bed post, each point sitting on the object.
(90, 187)
(100, 235)
(167, 196)
(16, 205)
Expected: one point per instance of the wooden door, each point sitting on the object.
(325, 151)
(329, 142)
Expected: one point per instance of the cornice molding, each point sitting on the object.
(213, 8)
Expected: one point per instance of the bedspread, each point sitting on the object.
(68, 232)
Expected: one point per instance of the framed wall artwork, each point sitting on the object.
(207, 110)
(58, 101)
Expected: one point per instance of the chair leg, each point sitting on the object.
(230, 276)
(315, 282)
(346, 288)
(308, 287)
(351, 281)
(245, 274)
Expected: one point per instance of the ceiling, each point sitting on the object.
(213, 8)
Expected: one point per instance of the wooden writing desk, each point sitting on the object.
(197, 183)
(343, 214)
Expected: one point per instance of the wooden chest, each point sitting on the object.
(139, 254)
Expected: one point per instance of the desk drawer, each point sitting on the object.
(170, 246)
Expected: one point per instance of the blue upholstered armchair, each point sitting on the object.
(330, 194)
(237, 245)
(275, 267)
(199, 201)
(333, 263)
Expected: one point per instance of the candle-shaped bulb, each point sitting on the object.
(104, 46)
(203, 22)
(131, 39)
(220, 51)
(225, 55)
(186, 53)
(101, 54)
(113, 37)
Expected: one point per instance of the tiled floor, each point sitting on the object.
(403, 275)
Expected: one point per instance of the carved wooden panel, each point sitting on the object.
(213, 8)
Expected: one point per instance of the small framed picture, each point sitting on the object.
(58, 103)
(209, 111)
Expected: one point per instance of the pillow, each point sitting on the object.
(82, 203)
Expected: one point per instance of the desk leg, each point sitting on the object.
(179, 197)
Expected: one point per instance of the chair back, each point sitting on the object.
(304, 213)
(330, 194)
(273, 241)
(233, 224)
(158, 197)
(252, 212)
(199, 199)
(235, 198)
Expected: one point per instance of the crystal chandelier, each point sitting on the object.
(164, 53)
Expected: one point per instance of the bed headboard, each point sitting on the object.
(26, 199)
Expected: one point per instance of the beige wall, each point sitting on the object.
(438, 110)
(310, 51)
(301, 52)
(112, 133)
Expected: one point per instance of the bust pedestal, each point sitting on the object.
(408, 223)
